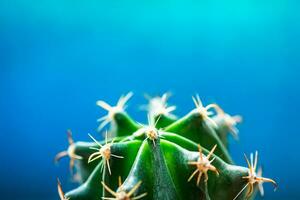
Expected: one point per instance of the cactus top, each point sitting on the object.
(168, 158)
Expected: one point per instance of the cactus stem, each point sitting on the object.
(69, 152)
(112, 110)
(60, 191)
(203, 164)
(254, 177)
(122, 195)
(161, 159)
(104, 151)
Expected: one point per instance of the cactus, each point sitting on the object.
(167, 158)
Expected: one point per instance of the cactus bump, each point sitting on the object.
(168, 157)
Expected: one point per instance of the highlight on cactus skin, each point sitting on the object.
(170, 157)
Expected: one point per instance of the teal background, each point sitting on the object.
(58, 57)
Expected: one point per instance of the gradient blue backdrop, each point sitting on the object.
(58, 57)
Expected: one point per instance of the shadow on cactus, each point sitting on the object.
(167, 158)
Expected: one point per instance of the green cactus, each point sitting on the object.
(168, 158)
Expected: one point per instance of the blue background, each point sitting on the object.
(58, 57)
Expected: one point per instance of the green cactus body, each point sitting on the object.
(168, 158)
